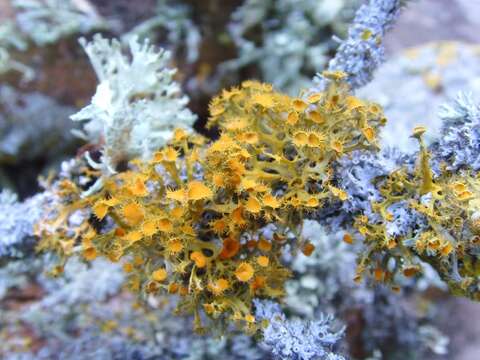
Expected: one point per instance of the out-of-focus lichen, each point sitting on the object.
(47, 21)
(32, 126)
(394, 331)
(17, 222)
(324, 276)
(40, 23)
(11, 39)
(413, 85)
(176, 20)
(288, 40)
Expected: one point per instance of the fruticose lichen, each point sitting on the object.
(137, 103)
(190, 220)
(438, 221)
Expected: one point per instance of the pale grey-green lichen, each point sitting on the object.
(10, 39)
(32, 125)
(17, 221)
(46, 21)
(137, 104)
(175, 19)
(43, 22)
(288, 40)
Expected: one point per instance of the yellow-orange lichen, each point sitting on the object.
(197, 208)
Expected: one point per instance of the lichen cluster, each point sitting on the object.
(209, 221)
(444, 231)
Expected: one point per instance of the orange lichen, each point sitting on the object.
(348, 238)
(198, 191)
(159, 275)
(308, 249)
(264, 245)
(263, 261)
(90, 253)
(100, 210)
(198, 208)
(149, 228)
(219, 286)
(128, 267)
(199, 259)
(133, 213)
(230, 248)
(244, 272)
(164, 225)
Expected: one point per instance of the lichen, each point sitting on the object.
(190, 220)
(137, 103)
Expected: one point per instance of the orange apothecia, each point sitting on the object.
(230, 248)
(244, 272)
(308, 249)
